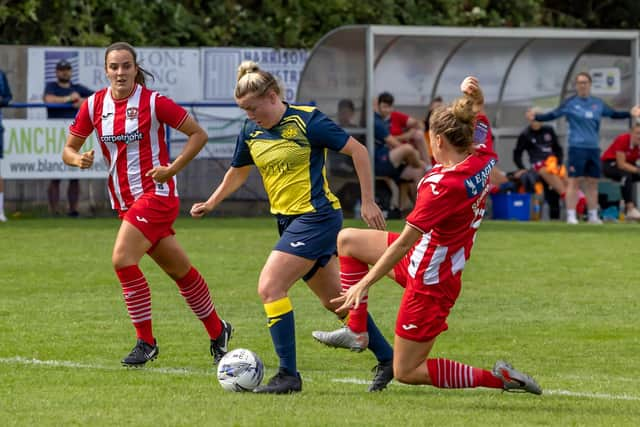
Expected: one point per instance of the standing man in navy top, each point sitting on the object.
(72, 95)
(5, 99)
(583, 113)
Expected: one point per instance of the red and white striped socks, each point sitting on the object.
(137, 297)
(195, 291)
(445, 373)
(351, 271)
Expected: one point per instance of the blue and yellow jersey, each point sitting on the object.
(291, 159)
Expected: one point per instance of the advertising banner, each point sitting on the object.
(175, 71)
(33, 150)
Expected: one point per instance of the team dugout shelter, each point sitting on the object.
(518, 68)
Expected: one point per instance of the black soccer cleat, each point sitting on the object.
(281, 383)
(383, 374)
(141, 354)
(220, 346)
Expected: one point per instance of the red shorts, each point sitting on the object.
(153, 216)
(422, 316)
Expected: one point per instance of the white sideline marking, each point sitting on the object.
(17, 360)
(67, 364)
(604, 396)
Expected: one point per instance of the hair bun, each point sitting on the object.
(247, 67)
(462, 109)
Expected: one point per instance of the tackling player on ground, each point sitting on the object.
(428, 257)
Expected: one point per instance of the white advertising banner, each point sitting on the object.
(219, 74)
(33, 150)
(220, 66)
(175, 71)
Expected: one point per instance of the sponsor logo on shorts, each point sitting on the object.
(409, 327)
(142, 219)
(296, 244)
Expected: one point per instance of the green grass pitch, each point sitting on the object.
(561, 303)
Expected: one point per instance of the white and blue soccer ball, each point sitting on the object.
(240, 370)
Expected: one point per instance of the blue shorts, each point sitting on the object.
(313, 236)
(584, 162)
(383, 164)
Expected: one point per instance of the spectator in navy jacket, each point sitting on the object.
(72, 95)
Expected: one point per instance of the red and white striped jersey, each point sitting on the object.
(132, 139)
(449, 209)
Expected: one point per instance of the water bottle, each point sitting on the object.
(536, 208)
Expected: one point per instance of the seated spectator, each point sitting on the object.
(346, 113)
(545, 157)
(403, 127)
(619, 163)
(435, 103)
(395, 160)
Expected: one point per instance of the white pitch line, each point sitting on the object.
(18, 360)
(604, 396)
(68, 364)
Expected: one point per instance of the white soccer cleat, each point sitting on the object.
(633, 214)
(572, 221)
(514, 380)
(343, 338)
(2, 217)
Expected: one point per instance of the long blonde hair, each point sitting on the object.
(455, 122)
(252, 80)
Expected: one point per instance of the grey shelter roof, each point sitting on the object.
(518, 68)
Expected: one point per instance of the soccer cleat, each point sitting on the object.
(343, 338)
(514, 380)
(383, 374)
(2, 217)
(633, 214)
(572, 221)
(281, 383)
(141, 354)
(219, 346)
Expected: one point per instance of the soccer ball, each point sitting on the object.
(240, 370)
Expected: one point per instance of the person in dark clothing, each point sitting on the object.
(64, 91)
(545, 156)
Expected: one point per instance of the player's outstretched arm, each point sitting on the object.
(233, 179)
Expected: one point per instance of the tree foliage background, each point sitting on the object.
(280, 23)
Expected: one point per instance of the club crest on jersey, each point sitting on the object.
(132, 113)
(476, 183)
(289, 132)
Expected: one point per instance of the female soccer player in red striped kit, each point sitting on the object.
(428, 257)
(129, 122)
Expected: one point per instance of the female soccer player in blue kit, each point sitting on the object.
(288, 143)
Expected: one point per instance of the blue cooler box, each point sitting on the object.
(511, 206)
